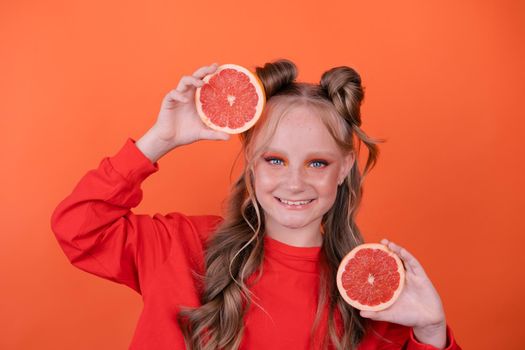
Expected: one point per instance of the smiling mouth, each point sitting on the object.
(296, 203)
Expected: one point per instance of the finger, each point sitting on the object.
(188, 82)
(176, 95)
(172, 96)
(397, 249)
(411, 263)
(203, 71)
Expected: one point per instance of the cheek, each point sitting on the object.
(265, 179)
(327, 184)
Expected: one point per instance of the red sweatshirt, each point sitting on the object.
(154, 255)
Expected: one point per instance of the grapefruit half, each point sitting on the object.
(370, 277)
(231, 100)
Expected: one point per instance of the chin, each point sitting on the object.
(293, 224)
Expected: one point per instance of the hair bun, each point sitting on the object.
(276, 75)
(343, 86)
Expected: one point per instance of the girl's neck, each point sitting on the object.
(309, 236)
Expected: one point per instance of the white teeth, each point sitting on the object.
(294, 203)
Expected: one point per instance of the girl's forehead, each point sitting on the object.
(301, 131)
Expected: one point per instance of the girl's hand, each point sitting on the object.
(419, 305)
(178, 122)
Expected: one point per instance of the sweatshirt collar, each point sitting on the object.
(274, 247)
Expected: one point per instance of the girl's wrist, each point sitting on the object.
(435, 335)
(152, 146)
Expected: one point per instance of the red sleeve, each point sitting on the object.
(99, 234)
(414, 344)
(392, 336)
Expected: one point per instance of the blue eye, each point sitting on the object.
(273, 161)
(319, 163)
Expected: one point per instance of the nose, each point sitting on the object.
(295, 179)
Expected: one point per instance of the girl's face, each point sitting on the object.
(297, 175)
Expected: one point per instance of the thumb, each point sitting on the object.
(374, 315)
(214, 135)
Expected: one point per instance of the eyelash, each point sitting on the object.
(270, 159)
(320, 161)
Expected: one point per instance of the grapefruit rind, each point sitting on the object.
(259, 87)
(357, 304)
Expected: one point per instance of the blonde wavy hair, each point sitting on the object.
(235, 250)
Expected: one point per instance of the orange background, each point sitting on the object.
(444, 85)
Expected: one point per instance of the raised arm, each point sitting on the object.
(94, 224)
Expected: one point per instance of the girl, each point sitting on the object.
(264, 276)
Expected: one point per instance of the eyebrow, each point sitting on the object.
(318, 154)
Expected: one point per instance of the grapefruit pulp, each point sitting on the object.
(370, 277)
(231, 100)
